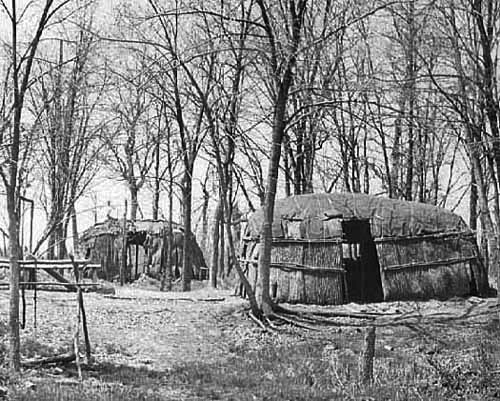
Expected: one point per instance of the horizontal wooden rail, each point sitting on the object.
(53, 283)
(59, 267)
(459, 234)
(337, 240)
(55, 264)
(297, 266)
(433, 263)
(51, 262)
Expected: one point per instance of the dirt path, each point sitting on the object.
(141, 327)
(137, 326)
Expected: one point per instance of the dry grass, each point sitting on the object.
(453, 361)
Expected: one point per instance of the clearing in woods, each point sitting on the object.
(151, 345)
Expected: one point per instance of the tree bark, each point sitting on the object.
(134, 203)
(123, 264)
(74, 228)
(14, 341)
(410, 92)
(214, 263)
(205, 238)
(473, 202)
(278, 128)
(187, 205)
(20, 85)
(156, 190)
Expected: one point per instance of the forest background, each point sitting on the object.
(199, 111)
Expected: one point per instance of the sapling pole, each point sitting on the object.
(81, 316)
(85, 328)
(76, 335)
(76, 338)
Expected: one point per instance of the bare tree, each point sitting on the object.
(19, 79)
(281, 56)
(132, 140)
(470, 90)
(70, 132)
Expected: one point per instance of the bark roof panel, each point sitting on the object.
(388, 217)
(113, 226)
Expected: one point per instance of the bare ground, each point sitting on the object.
(153, 333)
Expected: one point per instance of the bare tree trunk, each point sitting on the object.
(134, 203)
(205, 238)
(280, 106)
(214, 263)
(61, 231)
(186, 257)
(473, 202)
(288, 191)
(222, 248)
(123, 264)
(21, 70)
(309, 151)
(74, 228)
(168, 244)
(51, 246)
(486, 18)
(14, 342)
(396, 152)
(262, 290)
(156, 190)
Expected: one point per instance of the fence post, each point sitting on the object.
(368, 355)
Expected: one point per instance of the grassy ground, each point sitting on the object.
(201, 346)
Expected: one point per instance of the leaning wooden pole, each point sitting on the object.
(76, 334)
(81, 314)
(88, 355)
(76, 339)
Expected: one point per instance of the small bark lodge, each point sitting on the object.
(147, 248)
(343, 247)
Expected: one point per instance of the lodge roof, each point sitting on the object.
(318, 216)
(115, 227)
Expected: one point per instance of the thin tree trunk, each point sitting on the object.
(186, 257)
(20, 85)
(134, 203)
(205, 238)
(156, 191)
(62, 229)
(14, 342)
(123, 264)
(166, 282)
(473, 202)
(74, 228)
(286, 166)
(214, 263)
(282, 89)
(51, 243)
(262, 291)
(222, 244)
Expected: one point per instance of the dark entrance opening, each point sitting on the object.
(361, 262)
